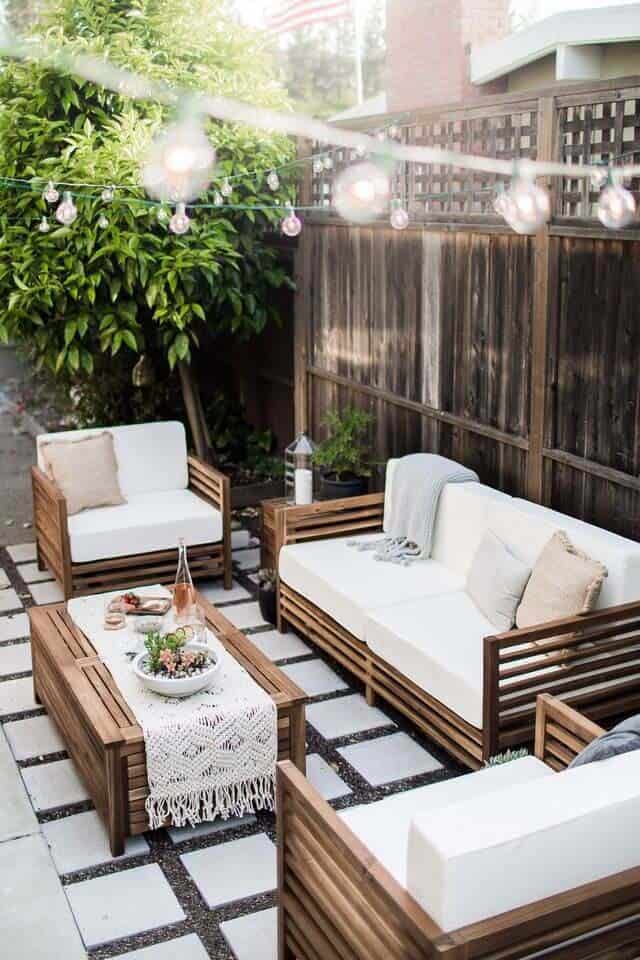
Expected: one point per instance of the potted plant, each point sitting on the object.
(343, 458)
(267, 595)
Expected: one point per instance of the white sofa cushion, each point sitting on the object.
(437, 643)
(470, 861)
(147, 522)
(384, 826)
(151, 456)
(346, 582)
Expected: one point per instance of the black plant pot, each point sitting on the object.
(331, 489)
(267, 601)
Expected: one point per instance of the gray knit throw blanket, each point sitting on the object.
(418, 480)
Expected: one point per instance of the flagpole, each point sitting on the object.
(357, 22)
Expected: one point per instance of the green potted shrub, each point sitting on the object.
(344, 457)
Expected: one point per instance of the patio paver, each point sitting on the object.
(14, 627)
(180, 834)
(17, 818)
(247, 559)
(22, 552)
(280, 646)
(9, 600)
(254, 936)
(16, 696)
(15, 658)
(232, 871)
(245, 616)
(325, 779)
(81, 841)
(182, 948)
(345, 716)
(49, 592)
(35, 737)
(315, 677)
(35, 919)
(122, 904)
(52, 785)
(30, 573)
(214, 592)
(389, 758)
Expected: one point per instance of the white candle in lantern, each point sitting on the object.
(303, 486)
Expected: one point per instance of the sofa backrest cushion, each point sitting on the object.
(461, 523)
(151, 456)
(468, 862)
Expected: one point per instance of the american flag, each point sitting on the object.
(294, 14)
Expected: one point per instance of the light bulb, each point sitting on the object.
(108, 194)
(179, 222)
(67, 212)
(218, 199)
(103, 222)
(361, 192)
(399, 218)
(44, 226)
(360, 151)
(394, 131)
(616, 207)
(273, 180)
(318, 166)
(50, 194)
(328, 163)
(381, 135)
(291, 225)
(180, 163)
(526, 206)
(226, 189)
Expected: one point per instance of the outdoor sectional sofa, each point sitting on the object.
(513, 861)
(169, 494)
(414, 637)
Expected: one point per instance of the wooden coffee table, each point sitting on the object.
(99, 729)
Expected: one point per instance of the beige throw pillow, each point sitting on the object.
(496, 581)
(564, 582)
(86, 471)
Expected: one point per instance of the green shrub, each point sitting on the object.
(346, 451)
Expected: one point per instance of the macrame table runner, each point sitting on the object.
(212, 754)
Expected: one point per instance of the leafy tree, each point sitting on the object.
(86, 292)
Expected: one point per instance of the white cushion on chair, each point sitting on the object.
(438, 643)
(383, 826)
(147, 522)
(151, 456)
(470, 861)
(345, 582)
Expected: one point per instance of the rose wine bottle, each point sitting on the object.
(183, 592)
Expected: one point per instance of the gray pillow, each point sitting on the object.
(496, 581)
(622, 738)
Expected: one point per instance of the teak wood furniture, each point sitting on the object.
(516, 663)
(80, 579)
(336, 900)
(271, 530)
(99, 729)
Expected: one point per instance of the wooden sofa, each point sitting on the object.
(134, 544)
(338, 900)
(351, 606)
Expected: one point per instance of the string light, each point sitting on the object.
(67, 212)
(218, 199)
(50, 194)
(291, 225)
(616, 206)
(103, 221)
(399, 218)
(180, 163)
(318, 167)
(44, 226)
(226, 189)
(525, 206)
(108, 194)
(180, 222)
(273, 180)
(361, 192)
(394, 131)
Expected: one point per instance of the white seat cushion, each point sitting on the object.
(151, 456)
(470, 861)
(384, 826)
(147, 522)
(346, 582)
(437, 643)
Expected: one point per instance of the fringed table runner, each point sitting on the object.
(210, 755)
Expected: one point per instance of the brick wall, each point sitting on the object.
(428, 47)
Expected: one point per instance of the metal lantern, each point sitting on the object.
(298, 470)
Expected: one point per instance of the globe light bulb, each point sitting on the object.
(360, 151)
(399, 218)
(616, 207)
(273, 180)
(50, 194)
(67, 212)
(44, 226)
(179, 222)
(394, 131)
(218, 199)
(226, 189)
(525, 206)
(108, 194)
(291, 225)
(361, 192)
(328, 163)
(318, 166)
(180, 163)
(103, 222)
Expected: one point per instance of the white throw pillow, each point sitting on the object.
(496, 581)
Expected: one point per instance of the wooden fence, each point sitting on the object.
(517, 355)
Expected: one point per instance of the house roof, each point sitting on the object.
(601, 25)
(368, 108)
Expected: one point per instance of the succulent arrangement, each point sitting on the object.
(169, 657)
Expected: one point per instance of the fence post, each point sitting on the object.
(542, 296)
(301, 307)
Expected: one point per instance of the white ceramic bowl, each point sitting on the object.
(178, 686)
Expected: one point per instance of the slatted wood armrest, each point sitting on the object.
(591, 660)
(332, 518)
(214, 486)
(561, 732)
(50, 524)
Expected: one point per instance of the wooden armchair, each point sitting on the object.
(77, 579)
(336, 900)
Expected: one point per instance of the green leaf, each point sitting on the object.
(70, 332)
(130, 339)
(181, 344)
(73, 358)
